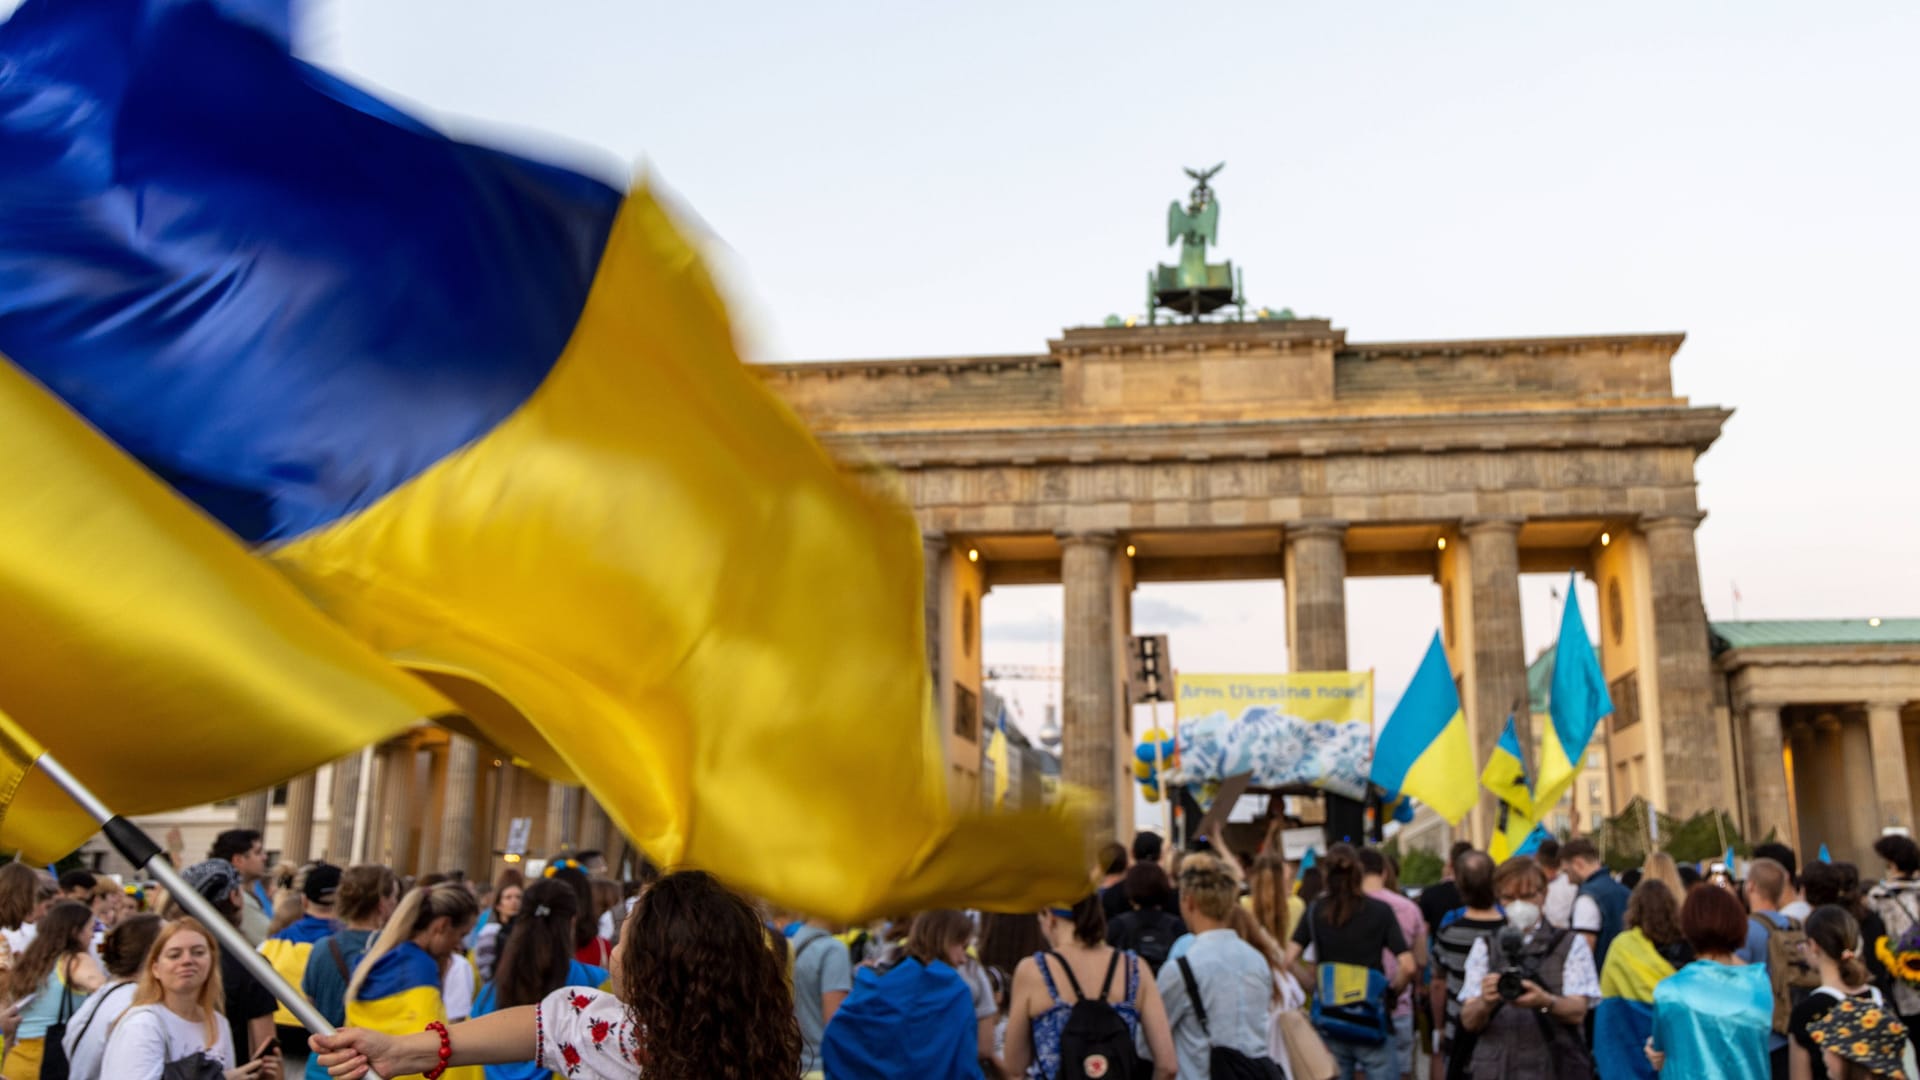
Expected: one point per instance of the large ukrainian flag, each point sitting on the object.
(162, 664)
(1424, 751)
(487, 414)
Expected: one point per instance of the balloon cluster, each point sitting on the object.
(1156, 749)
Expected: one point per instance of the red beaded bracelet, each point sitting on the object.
(446, 1051)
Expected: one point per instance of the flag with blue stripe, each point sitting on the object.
(1515, 832)
(1577, 703)
(486, 413)
(1424, 750)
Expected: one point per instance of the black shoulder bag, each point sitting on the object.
(1224, 1063)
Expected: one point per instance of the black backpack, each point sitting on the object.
(1150, 935)
(1096, 1043)
(1224, 1063)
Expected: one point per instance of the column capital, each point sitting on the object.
(1481, 523)
(933, 539)
(1105, 538)
(1678, 519)
(1882, 705)
(1322, 527)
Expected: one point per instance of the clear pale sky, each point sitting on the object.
(889, 179)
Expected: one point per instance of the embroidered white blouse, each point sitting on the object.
(587, 1034)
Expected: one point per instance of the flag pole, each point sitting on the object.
(138, 848)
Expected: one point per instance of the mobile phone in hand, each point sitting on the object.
(268, 1049)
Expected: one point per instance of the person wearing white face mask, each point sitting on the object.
(1528, 988)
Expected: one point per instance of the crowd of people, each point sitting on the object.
(1204, 964)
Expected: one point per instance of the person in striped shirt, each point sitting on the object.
(1453, 939)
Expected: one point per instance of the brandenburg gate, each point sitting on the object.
(1276, 448)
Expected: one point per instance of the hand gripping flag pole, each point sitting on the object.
(138, 848)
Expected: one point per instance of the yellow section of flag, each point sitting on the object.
(147, 650)
(651, 578)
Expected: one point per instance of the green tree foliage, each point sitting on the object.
(1624, 838)
(1419, 868)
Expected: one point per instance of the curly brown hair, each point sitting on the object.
(705, 981)
(1653, 910)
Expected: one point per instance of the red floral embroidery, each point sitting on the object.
(571, 1056)
(580, 1002)
(599, 1029)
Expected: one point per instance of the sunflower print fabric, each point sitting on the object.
(1865, 1033)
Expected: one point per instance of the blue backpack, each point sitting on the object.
(912, 1020)
(1350, 1002)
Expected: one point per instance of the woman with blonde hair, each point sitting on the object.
(396, 987)
(1219, 990)
(175, 1013)
(1660, 867)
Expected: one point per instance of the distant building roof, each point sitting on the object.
(1540, 680)
(1765, 633)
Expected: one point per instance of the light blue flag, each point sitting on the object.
(1824, 857)
(1307, 860)
(1578, 702)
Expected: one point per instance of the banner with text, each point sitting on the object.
(1306, 728)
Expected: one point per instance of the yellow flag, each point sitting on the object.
(147, 650)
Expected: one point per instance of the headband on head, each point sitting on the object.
(1060, 912)
(558, 865)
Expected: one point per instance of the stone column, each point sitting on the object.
(933, 556)
(559, 820)
(396, 826)
(1808, 800)
(1693, 778)
(296, 844)
(1768, 796)
(461, 788)
(346, 802)
(1316, 568)
(1499, 646)
(251, 813)
(594, 827)
(1892, 796)
(1835, 816)
(1856, 755)
(1089, 680)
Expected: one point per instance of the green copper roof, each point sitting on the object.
(1540, 679)
(1764, 633)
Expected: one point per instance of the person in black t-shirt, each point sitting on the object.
(1145, 928)
(1113, 869)
(1437, 901)
(1346, 926)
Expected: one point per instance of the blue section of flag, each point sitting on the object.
(1532, 843)
(1579, 698)
(1824, 856)
(284, 297)
(1509, 744)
